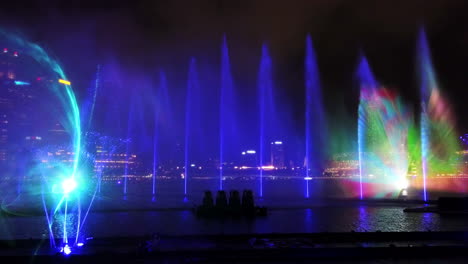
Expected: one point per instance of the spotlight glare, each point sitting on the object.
(403, 183)
(404, 193)
(68, 185)
(66, 250)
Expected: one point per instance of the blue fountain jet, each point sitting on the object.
(314, 117)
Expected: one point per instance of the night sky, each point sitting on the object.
(145, 36)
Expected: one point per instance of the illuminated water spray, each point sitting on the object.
(383, 136)
(90, 103)
(314, 117)
(225, 107)
(68, 176)
(265, 95)
(190, 104)
(437, 132)
(367, 84)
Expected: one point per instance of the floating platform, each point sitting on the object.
(445, 205)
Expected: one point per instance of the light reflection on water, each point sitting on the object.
(334, 218)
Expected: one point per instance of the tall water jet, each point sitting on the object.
(160, 110)
(127, 147)
(314, 117)
(367, 84)
(90, 103)
(225, 108)
(190, 107)
(265, 96)
(438, 139)
(155, 156)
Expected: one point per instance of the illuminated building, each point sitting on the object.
(249, 159)
(343, 165)
(277, 155)
(113, 165)
(27, 108)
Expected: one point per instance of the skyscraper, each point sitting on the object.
(277, 155)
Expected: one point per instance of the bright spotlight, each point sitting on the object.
(403, 183)
(66, 250)
(404, 192)
(69, 185)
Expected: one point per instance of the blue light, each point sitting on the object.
(21, 83)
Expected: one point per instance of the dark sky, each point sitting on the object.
(147, 35)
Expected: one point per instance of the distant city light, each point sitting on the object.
(192, 165)
(15, 54)
(269, 167)
(243, 152)
(62, 81)
(307, 178)
(33, 138)
(278, 142)
(251, 152)
(5, 50)
(21, 83)
(80, 244)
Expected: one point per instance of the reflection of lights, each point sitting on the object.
(68, 185)
(251, 152)
(307, 178)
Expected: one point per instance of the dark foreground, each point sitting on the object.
(369, 247)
